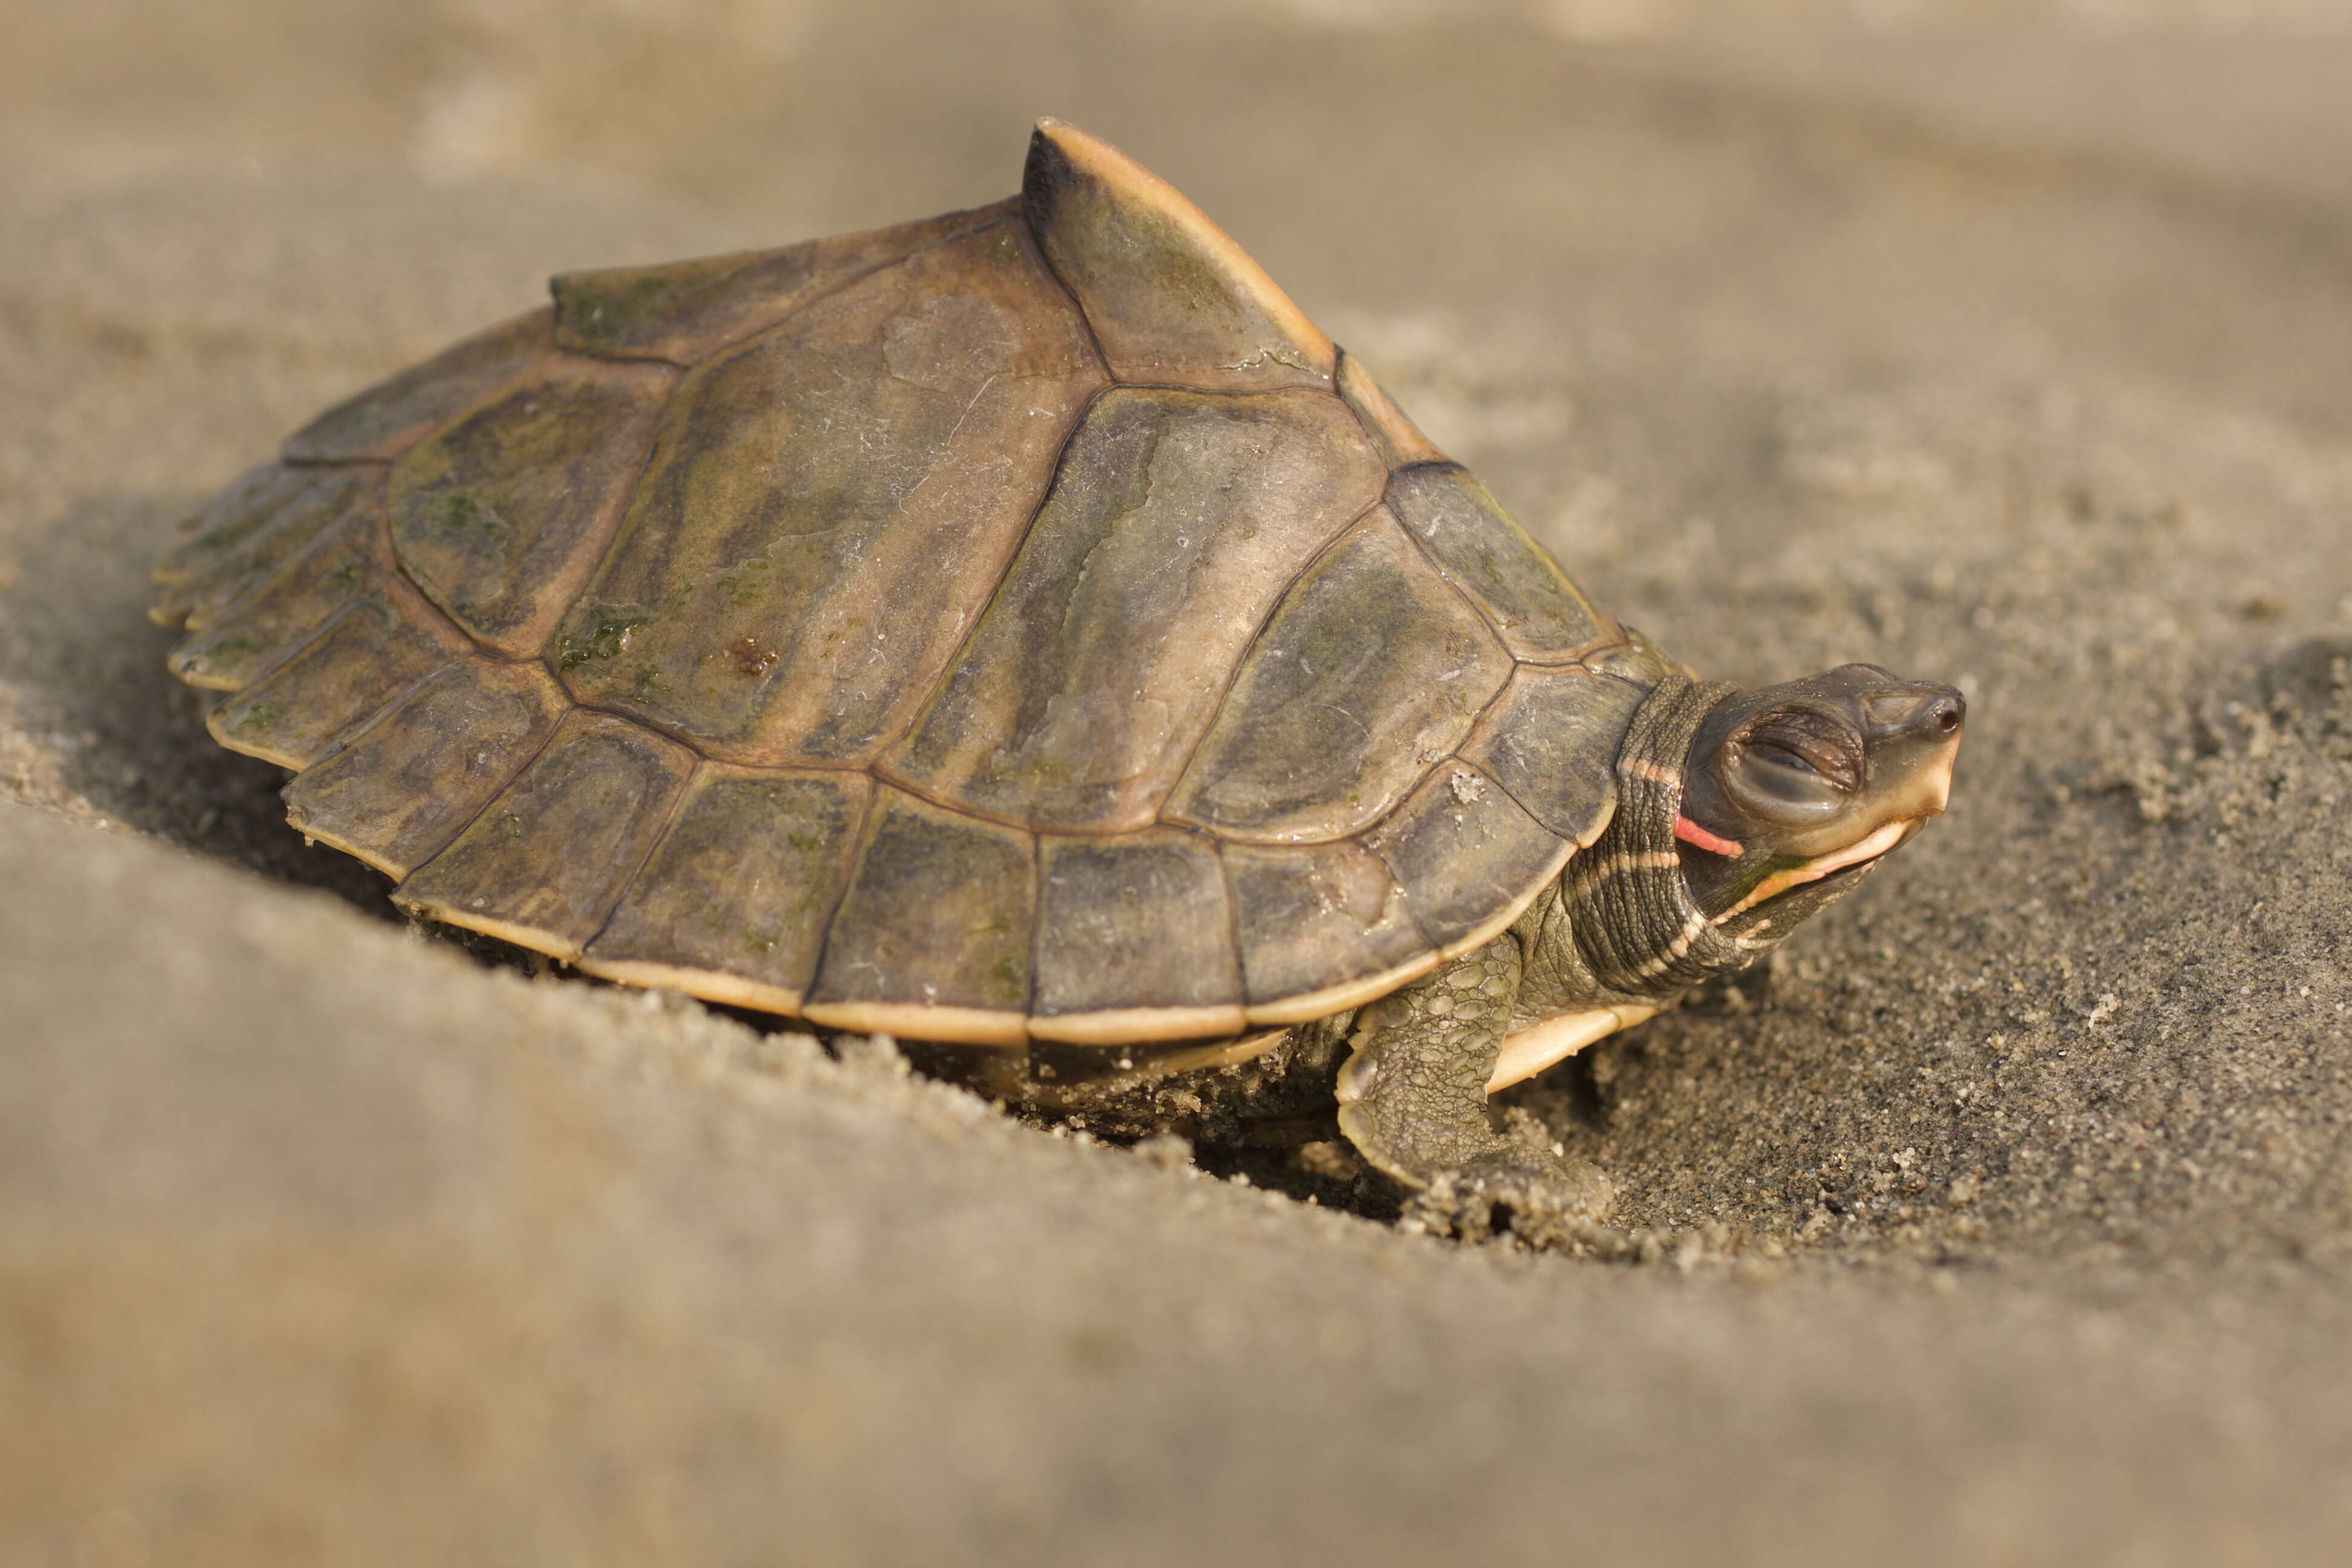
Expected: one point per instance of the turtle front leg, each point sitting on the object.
(1412, 1099)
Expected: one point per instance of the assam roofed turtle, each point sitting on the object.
(1024, 629)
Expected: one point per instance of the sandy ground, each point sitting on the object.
(2008, 1219)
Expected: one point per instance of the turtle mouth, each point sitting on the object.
(1855, 857)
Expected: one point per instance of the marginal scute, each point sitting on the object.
(403, 787)
(348, 559)
(1551, 742)
(830, 504)
(1314, 917)
(1171, 299)
(214, 535)
(371, 652)
(294, 516)
(1521, 589)
(939, 914)
(733, 904)
(1399, 440)
(545, 862)
(501, 516)
(1466, 856)
(685, 312)
(1175, 524)
(1372, 670)
(380, 422)
(1636, 660)
(1017, 627)
(1137, 922)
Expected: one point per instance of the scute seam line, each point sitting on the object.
(1398, 876)
(366, 722)
(492, 798)
(418, 437)
(1576, 657)
(316, 540)
(1233, 920)
(1017, 823)
(1483, 712)
(1233, 677)
(392, 543)
(669, 405)
(857, 837)
(1509, 795)
(849, 282)
(1493, 926)
(1085, 322)
(653, 846)
(1479, 612)
(574, 958)
(277, 660)
(1220, 392)
(1339, 355)
(620, 522)
(919, 713)
(1484, 614)
(1036, 925)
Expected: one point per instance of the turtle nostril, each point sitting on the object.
(1947, 714)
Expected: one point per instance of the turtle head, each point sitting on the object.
(1804, 785)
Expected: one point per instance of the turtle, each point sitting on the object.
(1023, 631)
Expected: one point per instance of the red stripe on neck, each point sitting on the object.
(1690, 832)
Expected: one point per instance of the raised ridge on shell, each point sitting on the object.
(1016, 873)
(1171, 299)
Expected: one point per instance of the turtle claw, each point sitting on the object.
(1539, 1201)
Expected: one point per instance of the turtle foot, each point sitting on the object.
(1538, 1200)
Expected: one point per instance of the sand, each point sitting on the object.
(2006, 1218)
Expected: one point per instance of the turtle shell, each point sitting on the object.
(1020, 624)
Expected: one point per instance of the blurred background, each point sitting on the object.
(2000, 342)
(1690, 281)
(1614, 252)
(798, 111)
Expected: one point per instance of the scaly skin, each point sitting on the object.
(1412, 1099)
(1622, 926)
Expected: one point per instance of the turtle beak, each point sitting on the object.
(1912, 734)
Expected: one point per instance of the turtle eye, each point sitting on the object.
(1785, 775)
(1790, 770)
